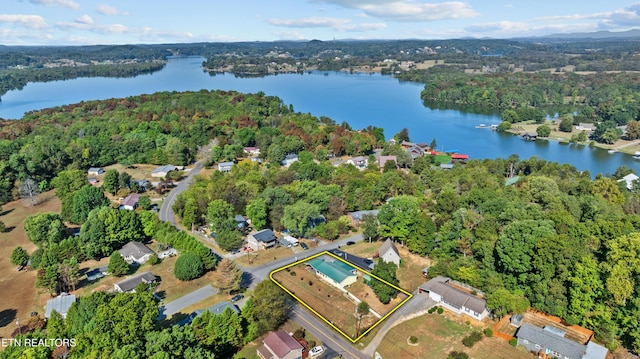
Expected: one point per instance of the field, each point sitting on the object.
(263, 256)
(438, 336)
(19, 295)
(334, 305)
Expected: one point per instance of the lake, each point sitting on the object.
(359, 99)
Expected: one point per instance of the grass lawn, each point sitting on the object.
(263, 256)
(437, 336)
(19, 295)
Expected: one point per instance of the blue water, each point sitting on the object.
(359, 99)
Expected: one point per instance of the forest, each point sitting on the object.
(555, 239)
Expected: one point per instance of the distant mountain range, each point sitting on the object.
(635, 33)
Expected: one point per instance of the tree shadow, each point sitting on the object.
(161, 294)
(7, 317)
(9, 229)
(4, 213)
(246, 280)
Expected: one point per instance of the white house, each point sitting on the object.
(360, 162)
(130, 284)
(389, 253)
(225, 166)
(60, 304)
(629, 180)
(453, 297)
(280, 345)
(135, 252)
(95, 171)
(130, 202)
(289, 159)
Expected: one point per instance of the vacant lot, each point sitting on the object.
(263, 256)
(19, 296)
(438, 336)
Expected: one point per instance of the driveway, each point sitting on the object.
(192, 298)
(166, 210)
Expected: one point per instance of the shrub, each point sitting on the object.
(468, 322)
(293, 274)
(440, 310)
(471, 339)
(413, 339)
(3, 227)
(431, 310)
(188, 266)
(457, 355)
(153, 260)
(488, 332)
(513, 342)
(310, 283)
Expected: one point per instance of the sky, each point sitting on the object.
(87, 22)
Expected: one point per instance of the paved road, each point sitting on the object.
(166, 210)
(189, 299)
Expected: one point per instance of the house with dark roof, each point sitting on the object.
(456, 297)
(130, 284)
(60, 304)
(362, 263)
(130, 202)
(416, 151)
(135, 252)
(280, 345)
(241, 221)
(262, 239)
(334, 271)
(163, 171)
(550, 342)
(389, 253)
(95, 171)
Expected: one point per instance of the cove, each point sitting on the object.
(359, 99)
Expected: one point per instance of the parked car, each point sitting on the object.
(316, 351)
(237, 297)
(304, 245)
(235, 251)
(351, 243)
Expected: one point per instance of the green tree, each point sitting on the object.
(400, 218)
(387, 272)
(510, 116)
(110, 181)
(566, 124)
(543, 131)
(297, 217)
(503, 126)
(257, 212)
(633, 130)
(502, 301)
(44, 228)
(145, 202)
(19, 256)
(66, 183)
(516, 243)
(268, 308)
(86, 199)
(585, 288)
(370, 226)
(189, 266)
(220, 215)
(228, 239)
(222, 333)
(403, 135)
(117, 265)
(124, 181)
(361, 310)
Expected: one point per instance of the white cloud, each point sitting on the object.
(28, 21)
(338, 24)
(109, 10)
(97, 28)
(289, 35)
(409, 10)
(84, 19)
(13, 37)
(64, 3)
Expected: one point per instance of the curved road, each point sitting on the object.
(166, 211)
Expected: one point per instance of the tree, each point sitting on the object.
(257, 212)
(144, 202)
(29, 191)
(117, 265)
(228, 239)
(543, 131)
(227, 276)
(44, 228)
(503, 126)
(124, 181)
(223, 333)
(403, 135)
(110, 182)
(268, 308)
(566, 124)
(400, 218)
(370, 226)
(19, 256)
(361, 310)
(516, 243)
(502, 301)
(85, 200)
(633, 130)
(296, 217)
(69, 274)
(433, 145)
(220, 215)
(387, 272)
(3, 227)
(189, 266)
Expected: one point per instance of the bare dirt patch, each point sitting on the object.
(19, 296)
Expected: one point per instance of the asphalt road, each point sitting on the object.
(192, 298)
(166, 211)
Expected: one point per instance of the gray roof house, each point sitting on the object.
(551, 342)
(261, 239)
(215, 309)
(628, 179)
(135, 252)
(163, 171)
(225, 166)
(94, 171)
(130, 284)
(289, 159)
(60, 304)
(389, 253)
(241, 221)
(360, 162)
(450, 295)
(357, 216)
(96, 273)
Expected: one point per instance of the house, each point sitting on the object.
(360, 162)
(629, 180)
(225, 166)
(95, 171)
(143, 183)
(253, 151)
(292, 240)
(357, 216)
(383, 159)
(130, 284)
(60, 304)
(416, 151)
(446, 166)
(96, 273)
(280, 345)
(406, 144)
(584, 126)
(262, 239)
(215, 309)
(93, 181)
(334, 271)
(458, 157)
(389, 253)
(363, 263)
(289, 159)
(550, 342)
(163, 171)
(450, 295)
(530, 136)
(241, 221)
(516, 320)
(130, 202)
(135, 252)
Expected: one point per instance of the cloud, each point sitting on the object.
(289, 35)
(408, 10)
(84, 19)
(109, 10)
(64, 3)
(338, 24)
(28, 21)
(26, 37)
(97, 28)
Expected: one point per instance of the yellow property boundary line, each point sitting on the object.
(409, 295)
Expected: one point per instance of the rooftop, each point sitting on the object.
(281, 343)
(555, 342)
(386, 246)
(132, 282)
(265, 235)
(453, 295)
(136, 250)
(333, 268)
(60, 304)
